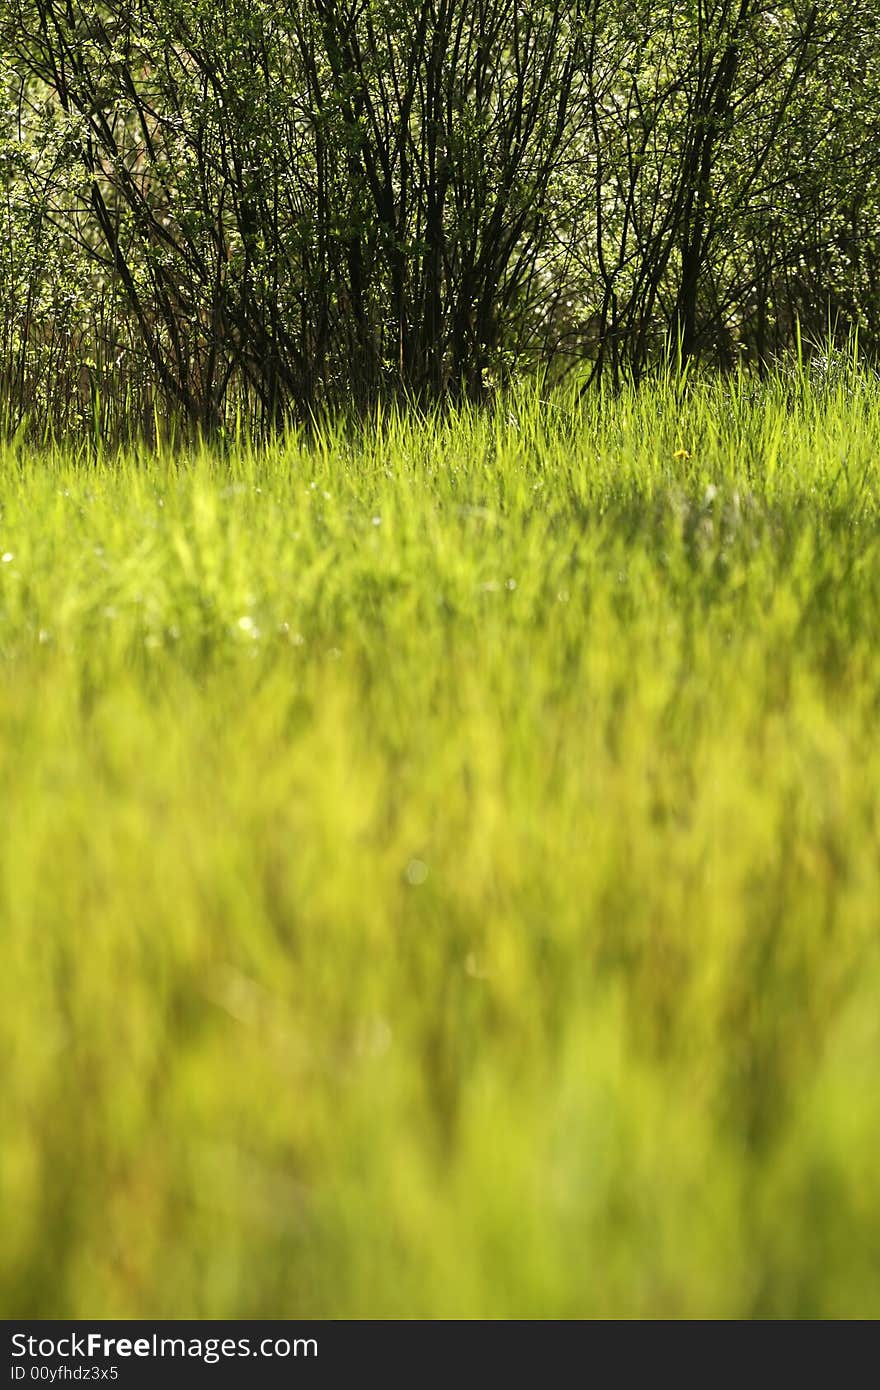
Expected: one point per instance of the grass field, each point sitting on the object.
(440, 870)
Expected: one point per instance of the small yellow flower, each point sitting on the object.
(681, 454)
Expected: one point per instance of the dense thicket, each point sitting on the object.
(211, 207)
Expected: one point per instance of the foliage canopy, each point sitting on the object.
(214, 208)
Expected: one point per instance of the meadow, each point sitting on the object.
(440, 864)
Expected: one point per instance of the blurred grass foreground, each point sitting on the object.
(440, 869)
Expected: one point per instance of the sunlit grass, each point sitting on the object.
(440, 867)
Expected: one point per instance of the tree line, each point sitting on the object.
(210, 208)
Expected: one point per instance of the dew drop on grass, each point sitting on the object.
(474, 969)
(416, 872)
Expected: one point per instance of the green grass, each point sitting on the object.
(440, 871)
